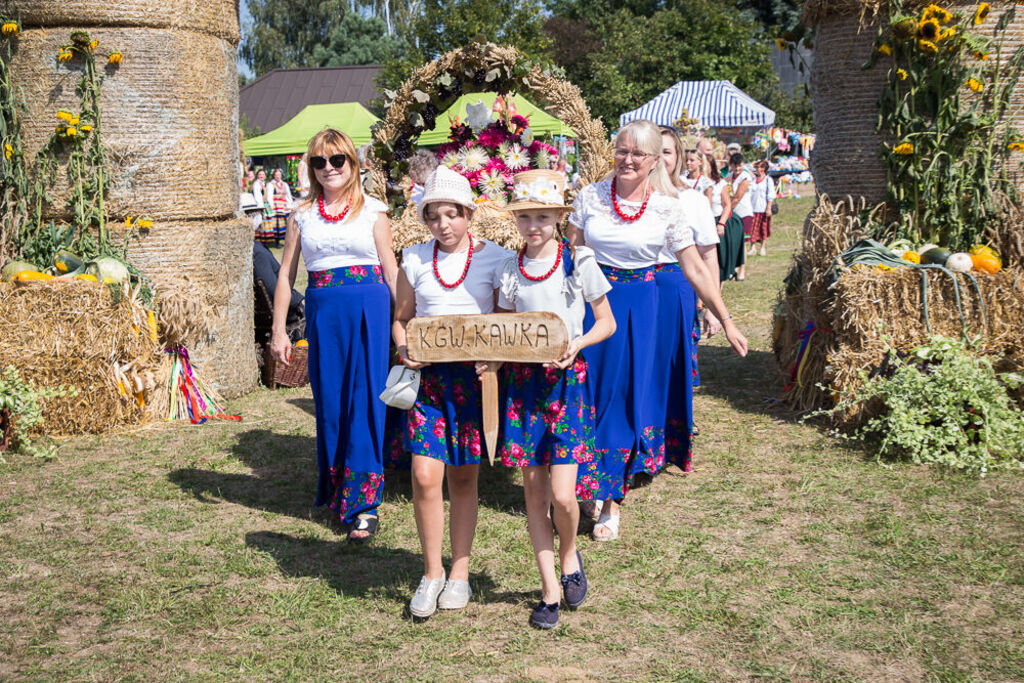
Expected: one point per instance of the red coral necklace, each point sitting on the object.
(465, 271)
(545, 276)
(328, 217)
(624, 216)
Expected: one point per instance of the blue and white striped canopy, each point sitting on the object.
(715, 104)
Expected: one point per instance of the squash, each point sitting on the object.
(86, 277)
(66, 262)
(911, 256)
(27, 276)
(938, 256)
(13, 268)
(985, 259)
(960, 262)
(107, 268)
(926, 247)
(301, 344)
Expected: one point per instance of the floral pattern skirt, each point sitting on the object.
(547, 416)
(675, 372)
(446, 422)
(629, 432)
(347, 329)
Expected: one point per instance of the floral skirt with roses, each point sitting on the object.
(548, 415)
(446, 421)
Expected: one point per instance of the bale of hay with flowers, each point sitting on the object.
(486, 151)
(931, 248)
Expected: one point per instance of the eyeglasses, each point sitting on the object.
(623, 154)
(336, 160)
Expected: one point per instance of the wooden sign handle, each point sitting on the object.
(489, 392)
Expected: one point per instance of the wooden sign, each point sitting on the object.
(516, 337)
(519, 337)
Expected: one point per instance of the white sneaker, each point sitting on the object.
(424, 601)
(455, 595)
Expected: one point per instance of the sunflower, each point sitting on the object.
(936, 12)
(8, 150)
(64, 56)
(1016, 146)
(975, 85)
(93, 44)
(948, 33)
(982, 12)
(86, 128)
(929, 29)
(904, 149)
(885, 50)
(901, 74)
(927, 46)
(9, 28)
(780, 43)
(115, 57)
(981, 56)
(65, 116)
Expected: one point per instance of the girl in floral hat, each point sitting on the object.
(548, 417)
(454, 273)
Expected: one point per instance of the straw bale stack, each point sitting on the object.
(67, 333)
(845, 96)
(218, 19)
(489, 222)
(169, 116)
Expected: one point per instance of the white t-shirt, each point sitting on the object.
(474, 295)
(699, 220)
(700, 183)
(716, 197)
(559, 294)
(339, 245)
(621, 244)
(761, 192)
(742, 208)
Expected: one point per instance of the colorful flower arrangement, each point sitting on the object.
(490, 156)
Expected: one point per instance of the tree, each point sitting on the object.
(295, 33)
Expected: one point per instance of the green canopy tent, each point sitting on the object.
(540, 120)
(293, 137)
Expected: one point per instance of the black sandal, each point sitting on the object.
(368, 524)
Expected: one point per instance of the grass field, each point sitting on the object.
(180, 552)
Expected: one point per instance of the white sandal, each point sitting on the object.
(595, 512)
(606, 521)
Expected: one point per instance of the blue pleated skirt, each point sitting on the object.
(675, 367)
(348, 320)
(629, 434)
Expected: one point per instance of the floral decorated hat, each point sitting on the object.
(538, 189)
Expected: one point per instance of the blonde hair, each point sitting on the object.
(647, 137)
(676, 173)
(326, 143)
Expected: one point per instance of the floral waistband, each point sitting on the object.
(349, 275)
(668, 268)
(628, 274)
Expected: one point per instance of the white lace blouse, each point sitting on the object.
(621, 244)
(474, 295)
(698, 219)
(339, 245)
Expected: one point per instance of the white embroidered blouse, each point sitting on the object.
(339, 245)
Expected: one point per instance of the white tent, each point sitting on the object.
(714, 104)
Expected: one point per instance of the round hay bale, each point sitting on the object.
(216, 256)
(169, 118)
(214, 17)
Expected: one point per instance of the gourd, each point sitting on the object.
(911, 256)
(960, 262)
(86, 277)
(66, 262)
(26, 276)
(106, 269)
(937, 255)
(985, 259)
(13, 268)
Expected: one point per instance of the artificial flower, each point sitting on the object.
(9, 28)
(904, 148)
(473, 158)
(478, 116)
(780, 43)
(982, 56)
(901, 74)
(885, 50)
(927, 46)
(935, 12)
(929, 29)
(115, 57)
(981, 13)
(975, 85)
(516, 158)
(8, 150)
(1016, 146)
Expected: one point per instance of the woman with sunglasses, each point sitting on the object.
(345, 240)
(627, 220)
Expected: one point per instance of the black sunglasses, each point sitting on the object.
(337, 161)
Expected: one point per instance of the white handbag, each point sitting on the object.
(401, 388)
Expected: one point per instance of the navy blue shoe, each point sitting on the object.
(544, 616)
(574, 586)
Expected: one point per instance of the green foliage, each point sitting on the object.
(942, 106)
(944, 404)
(22, 398)
(357, 40)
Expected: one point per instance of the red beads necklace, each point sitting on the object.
(465, 271)
(328, 217)
(545, 276)
(624, 216)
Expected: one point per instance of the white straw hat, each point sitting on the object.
(446, 185)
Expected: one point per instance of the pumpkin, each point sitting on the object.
(911, 256)
(985, 259)
(960, 262)
(938, 256)
(26, 276)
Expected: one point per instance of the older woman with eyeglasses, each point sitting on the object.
(627, 219)
(345, 240)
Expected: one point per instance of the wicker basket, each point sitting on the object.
(295, 374)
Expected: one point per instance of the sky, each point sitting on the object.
(246, 19)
